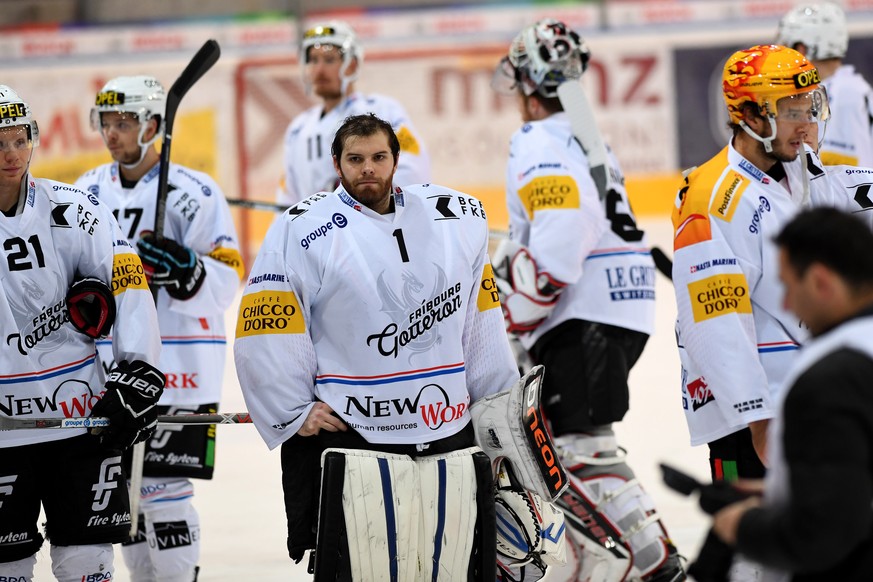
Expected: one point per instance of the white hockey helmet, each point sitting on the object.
(541, 57)
(140, 95)
(14, 111)
(341, 35)
(821, 27)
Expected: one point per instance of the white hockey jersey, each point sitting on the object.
(736, 341)
(49, 369)
(848, 137)
(392, 320)
(606, 262)
(856, 183)
(192, 331)
(308, 139)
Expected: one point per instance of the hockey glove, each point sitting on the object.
(171, 265)
(132, 393)
(528, 295)
(91, 307)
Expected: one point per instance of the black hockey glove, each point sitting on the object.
(91, 307)
(171, 265)
(132, 393)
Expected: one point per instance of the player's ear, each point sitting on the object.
(336, 167)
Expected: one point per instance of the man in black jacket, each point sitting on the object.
(815, 521)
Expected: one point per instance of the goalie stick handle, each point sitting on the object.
(7, 423)
(584, 126)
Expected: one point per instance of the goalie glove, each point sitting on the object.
(130, 403)
(530, 531)
(171, 265)
(91, 307)
(528, 295)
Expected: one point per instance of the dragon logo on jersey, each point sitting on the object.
(414, 313)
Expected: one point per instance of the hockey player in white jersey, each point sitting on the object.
(332, 58)
(580, 295)
(820, 33)
(198, 268)
(370, 326)
(68, 274)
(735, 338)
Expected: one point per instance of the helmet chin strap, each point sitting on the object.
(143, 146)
(767, 141)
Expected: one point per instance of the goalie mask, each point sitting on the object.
(340, 35)
(15, 112)
(780, 81)
(821, 27)
(141, 96)
(541, 57)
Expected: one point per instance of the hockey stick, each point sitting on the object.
(584, 127)
(7, 423)
(197, 67)
(257, 205)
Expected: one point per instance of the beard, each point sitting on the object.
(369, 194)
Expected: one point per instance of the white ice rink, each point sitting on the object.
(242, 512)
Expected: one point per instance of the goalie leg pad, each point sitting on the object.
(375, 528)
(453, 486)
(510, 425)
(607, 505)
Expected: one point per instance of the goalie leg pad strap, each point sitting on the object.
(510, 426)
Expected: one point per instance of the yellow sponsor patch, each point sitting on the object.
(488, 298)
(725, 201)
(229, 257)
(719, 295)
(127, 273)
(549, 193)
(408, 143)
(269, 312)
(837, 159)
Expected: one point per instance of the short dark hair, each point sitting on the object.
(750, 105)
(839, 241)
(363, 126)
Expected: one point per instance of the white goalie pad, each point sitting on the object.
(405, 518)
(510, 427)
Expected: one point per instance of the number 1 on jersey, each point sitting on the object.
(401, 244)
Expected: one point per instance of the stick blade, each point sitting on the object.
(200, 63)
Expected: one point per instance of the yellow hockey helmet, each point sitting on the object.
(763, 75)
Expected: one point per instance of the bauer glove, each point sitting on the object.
(168, 264)
(130, 404)
(91, 307)
(528, 295)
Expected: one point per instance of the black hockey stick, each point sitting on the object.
(199, 65)
(662, 262)
(257, 205)
(7, 423)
